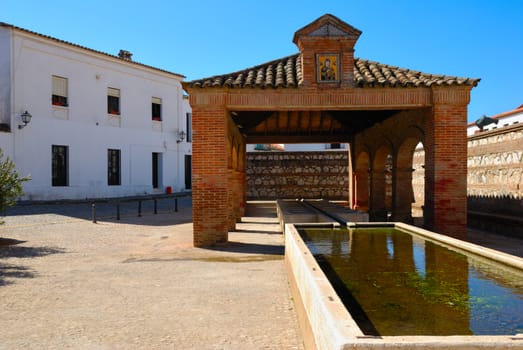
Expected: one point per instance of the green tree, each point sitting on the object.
(10, 183)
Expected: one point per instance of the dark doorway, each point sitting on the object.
(156, 165)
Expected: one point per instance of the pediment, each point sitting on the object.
(327, 26)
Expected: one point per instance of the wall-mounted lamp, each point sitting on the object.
(26, 118)
(180, 136)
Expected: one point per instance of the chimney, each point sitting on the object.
(125, 55)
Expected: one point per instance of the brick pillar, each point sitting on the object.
(239, 191)
(231, 199)
(242, 167)
(403, 195)
(446, 162)
(377, 210)
(361, 189)
(210, 175)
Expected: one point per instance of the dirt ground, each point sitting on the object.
(137, 283)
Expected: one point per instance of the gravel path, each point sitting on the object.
(137, 283)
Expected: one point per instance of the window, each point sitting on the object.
(335, 146)
(59, 96)
(156, 109)
(113, 101)
(60, 165)
(188, 126)
(113, 167)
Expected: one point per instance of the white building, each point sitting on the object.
(514, 116)
(101, 126)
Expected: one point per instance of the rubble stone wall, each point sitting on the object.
(272, 175)
(494, 179)
(495, 171)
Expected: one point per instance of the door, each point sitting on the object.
(156, 170)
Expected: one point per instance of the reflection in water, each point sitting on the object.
(394, 284)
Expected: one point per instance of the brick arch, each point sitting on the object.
(381, 199)
(412, 135)
(288, 101)
(403, 191)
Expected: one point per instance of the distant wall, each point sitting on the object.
(495, 170)
(273, 175)
(494, 180)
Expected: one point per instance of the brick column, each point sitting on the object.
(377, 210)
(361, 189)
(446, 162)
(231, 199)
(242, 167)
(210, 175)
(403, 195)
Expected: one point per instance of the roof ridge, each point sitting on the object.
(287, 72)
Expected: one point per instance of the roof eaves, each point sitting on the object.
(7, 25)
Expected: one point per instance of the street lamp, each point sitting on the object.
(26, 118)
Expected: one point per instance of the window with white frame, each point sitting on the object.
(335, 146)
(59, 95)
(156, 109)
(113, 101)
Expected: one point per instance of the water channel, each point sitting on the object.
(396, 283)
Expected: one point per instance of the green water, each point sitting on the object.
(394, 283)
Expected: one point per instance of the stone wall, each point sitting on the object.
(495, 170)
(272, 175)
(494, 179)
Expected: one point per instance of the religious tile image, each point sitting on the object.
(327, 67)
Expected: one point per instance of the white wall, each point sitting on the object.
(504, 119)
(85, 127)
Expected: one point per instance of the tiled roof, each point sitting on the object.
(287, 73)
(7, 25)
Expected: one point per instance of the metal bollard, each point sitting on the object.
(118, 211)
(139, 208)
(93, 212)
(176, 204)
(155, 207)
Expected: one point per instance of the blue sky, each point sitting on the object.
(466, 38)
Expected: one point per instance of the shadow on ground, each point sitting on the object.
(249, 248)
(9, 248)
(128, 211)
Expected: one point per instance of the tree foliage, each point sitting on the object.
(10, 183)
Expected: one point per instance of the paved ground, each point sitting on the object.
(137, 283)
(506, 244)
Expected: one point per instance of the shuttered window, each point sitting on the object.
(59, 95)
(113, 101)
(156, 108)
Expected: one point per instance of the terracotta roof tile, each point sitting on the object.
(283, 72)
(287, 73)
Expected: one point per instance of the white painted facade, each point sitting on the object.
(514, 116)
(28, 62)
